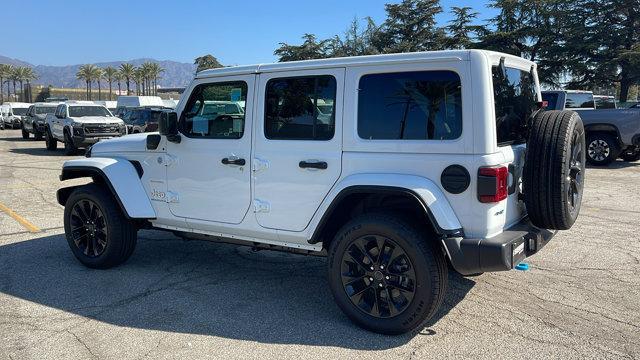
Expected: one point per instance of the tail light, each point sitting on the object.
(492, 184)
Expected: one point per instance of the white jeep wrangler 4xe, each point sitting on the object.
(392, 165)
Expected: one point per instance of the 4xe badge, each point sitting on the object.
(158, 195)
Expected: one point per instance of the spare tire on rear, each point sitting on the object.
(554, 170)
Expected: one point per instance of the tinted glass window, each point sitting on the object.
(20, 111)
(605, 103)
(424, 105)
(45, 109)
(551, 99)
(212, 111)
(579, 100)
(300, 108)
(80, 111)
(514, 94)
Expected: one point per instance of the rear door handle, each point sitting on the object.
(228, 161)
(322, 165)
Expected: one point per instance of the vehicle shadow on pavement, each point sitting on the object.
(198, 287)
(39, 151)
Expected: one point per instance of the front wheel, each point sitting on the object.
(50, 142)
(98, 233)
(69, 147)
(385, 275)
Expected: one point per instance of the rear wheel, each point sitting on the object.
(554, 171)
(631, 154)
(602, 149)
(385, 275)
(50, 142)
(98, 233)
(25, 134)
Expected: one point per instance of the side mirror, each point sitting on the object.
(168, 126)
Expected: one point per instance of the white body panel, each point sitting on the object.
(125, 182)
(190, 190)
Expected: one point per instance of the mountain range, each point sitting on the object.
(176, 74)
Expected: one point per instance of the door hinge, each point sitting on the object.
(171, 197)
(167, 159)
(259, 165)
(260, 206)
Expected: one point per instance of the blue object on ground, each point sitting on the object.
(522, 266)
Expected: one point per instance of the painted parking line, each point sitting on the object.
(24, 222)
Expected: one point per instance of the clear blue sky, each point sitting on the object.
(237, 32)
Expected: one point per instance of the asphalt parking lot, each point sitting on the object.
(195, 299)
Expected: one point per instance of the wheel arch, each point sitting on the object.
(603, 128)
(119, 176)
(356, 195)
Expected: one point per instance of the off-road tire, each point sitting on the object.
(69, 147)
(431, 273)
(610, 144)
(121, 233)
(50, 142)
(553, 176)
(631, 154)
(25, 134)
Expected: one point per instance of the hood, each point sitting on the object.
(127, 143)
(96, 120)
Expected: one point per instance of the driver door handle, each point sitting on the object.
(228, 161)
(322, 165)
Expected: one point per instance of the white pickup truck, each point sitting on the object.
(611, 132)
(393, 166)
(81, 124)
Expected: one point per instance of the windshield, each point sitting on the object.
(45, 110)
(80, 111)
(20, 111)
(514, 94)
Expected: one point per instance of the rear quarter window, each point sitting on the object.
(418, 105)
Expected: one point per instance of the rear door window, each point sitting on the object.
(579, 101)
(514, 95)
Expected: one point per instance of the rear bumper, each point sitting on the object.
(499, 253)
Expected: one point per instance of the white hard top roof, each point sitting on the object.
(18, 105)
(446, 55)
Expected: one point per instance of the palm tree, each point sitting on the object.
(138, 76)
(85, 73)
(96, 75)
(109, 74)
(127, 71)
(118, 78)
(28, 75)
(154, 74)
(146, 70)
(14, 76)
(5, 72)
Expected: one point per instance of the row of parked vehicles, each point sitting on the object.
(79, 124)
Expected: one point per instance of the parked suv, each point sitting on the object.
(79, 125)
(35, 120)
(13, 113)
(391, 165)
(143, 119)
(611, 132)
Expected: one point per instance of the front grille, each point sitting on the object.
(101, 129)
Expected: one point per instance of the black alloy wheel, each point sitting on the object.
(378, 276)
(576, 172)
(88, 228)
